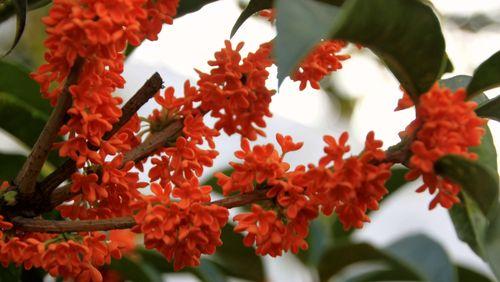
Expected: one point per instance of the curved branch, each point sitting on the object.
(141, 97)
(154, 142)
(27, 176)
(59, 226)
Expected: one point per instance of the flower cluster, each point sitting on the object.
(94, 34)
(77, 257)
(445, 124)
(182, 231)
(235, 90)
(350, 187)
(321, 61)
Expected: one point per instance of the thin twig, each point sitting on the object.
(154, 142)
(60, 226)
(27, 176)
(141, 97)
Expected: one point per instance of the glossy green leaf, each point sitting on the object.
(490, 109)
(468, 275)
(15, 80)
(338, 258)
(209, 271)
(470, 223)
(10, 164)
(7, 8)
(492, 245)
(20, 9)
(426, 256)
(456, 82)
(479, 182)
(155, 260)
(300, 24)
(135, 271)
(414, 53)
(10, 273)
(318, 243)
(253, 7)
(14, 113)
(235, 259)
(486, 76)
(191, 6)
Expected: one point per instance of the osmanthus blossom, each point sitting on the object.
(179, 219)
(445, 123)
(348, 187)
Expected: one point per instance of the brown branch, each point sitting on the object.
(27, 176)
(59, 226)
(141, 97)
(154, 142)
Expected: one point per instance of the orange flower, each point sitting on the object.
(405, 102)
(4, 225)
(269, 14)
(352, 185)
(182, 231)
(263, 167)
(321, 61)
(235, 92)
(263, 228)
(445, 124)
(260, 163)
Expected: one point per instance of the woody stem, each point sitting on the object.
(143, 95)
(154, 142)
(27, 176)
(57, 226)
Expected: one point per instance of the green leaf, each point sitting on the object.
(191, 6)
(479, 182)
(253, 7)
(456, 82)
(338, 258)
(7, 7)
(486, 76)
(209, 271)
(492, 245)
(425, 256)
(10, 273)
(470, 223)
(415, 53)
(300, 24)
(318, 243)
(155, 260)
(15, 80)
(14, 113)
(135, 271)
(10, 164)
(20, 8)
(490, 109)
(467, 275)
(235, 259)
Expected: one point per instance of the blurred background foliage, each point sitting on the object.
(333, 254)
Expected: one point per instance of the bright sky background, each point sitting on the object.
(308, 115)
